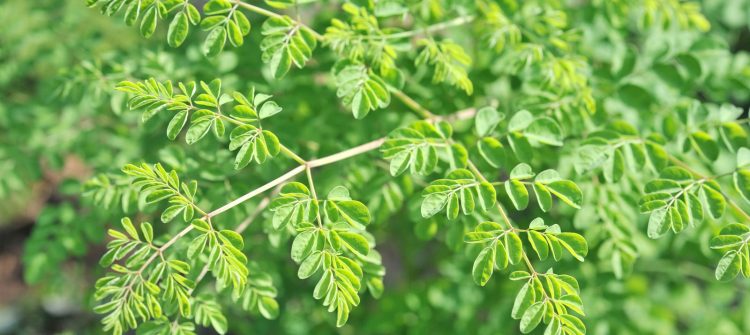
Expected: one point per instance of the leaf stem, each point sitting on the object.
(311, 183)
(292, 155)
(408, 101)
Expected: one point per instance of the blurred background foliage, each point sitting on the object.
(63, 129)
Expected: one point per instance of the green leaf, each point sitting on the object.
(725, 241)
(715, 201)
(704, 145)
(729, 266)
(269, 109)
(178, 30)
(521, 171)
(198, 128)
(214, 43)
(268, 307)
(310, 265)
(543, 196)
(171, 212)
(520, 121)
(658, 223)
(234, 34)
(232, 238)
(486, 120)
(515, 247)
(733, 135)
(483, 266)
(148, 231)
(361, 90)
(567, 191)
(148, 23)
(743, 158)
(285, 42)
(355, 242)
(450, 62)
(539, 244)
(524, 299)
(129, 228)
(492, 151)
(352, 212)
(575, 244)
(518, 193)
(176, 124)
(657, 155)
(413, 148)
(545, 131)
(615, 168)
(201, 225)
(532, 317)
(742, 183)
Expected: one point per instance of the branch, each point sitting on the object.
(346, 153)
(259, 190)
(460, 115)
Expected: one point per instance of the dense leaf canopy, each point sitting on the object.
(421, 167)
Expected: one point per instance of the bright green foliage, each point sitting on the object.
(293, 206)
(156, 184)
(225, 257)
(547, 240)
(150, 11)
(208, 313)
(449, 60)
(137, 290)
(546, 185)
(525, 146)
(361, 89)
(260, 295)
(416, 148)
(522, 132)
(733, 241)
(548, 298)
(336, 249)
(204, 112)
(460, 191)
(501, 247)
(285, 42)
(361, 39)
(676, 201)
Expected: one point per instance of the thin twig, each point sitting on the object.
(291, 154)
(408, 101)
(311, 183)
(259, 190)
(346, 153)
